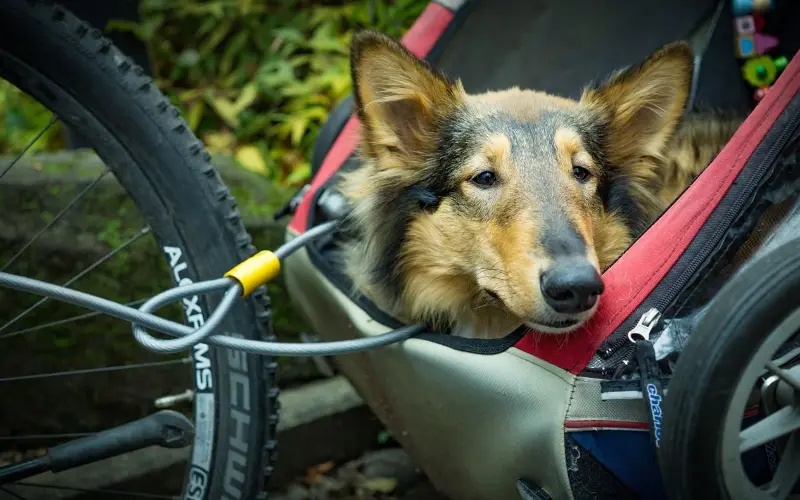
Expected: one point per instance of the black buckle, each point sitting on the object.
(292, 205)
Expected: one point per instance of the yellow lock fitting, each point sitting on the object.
(255, 271)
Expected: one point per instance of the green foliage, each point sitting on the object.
(257, 79)
(21, 119)
(254, 79)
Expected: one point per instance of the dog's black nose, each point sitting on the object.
(571, 286)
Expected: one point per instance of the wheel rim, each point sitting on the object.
(781, 425)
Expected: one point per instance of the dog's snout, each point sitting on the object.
(571, 286)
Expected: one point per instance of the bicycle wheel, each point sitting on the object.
(744, 354)
(71, 69)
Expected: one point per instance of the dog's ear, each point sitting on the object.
(642, 105)
(400, 99)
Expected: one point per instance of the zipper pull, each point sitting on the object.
(646, 323)
(652, 390)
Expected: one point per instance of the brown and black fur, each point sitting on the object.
(434, 244)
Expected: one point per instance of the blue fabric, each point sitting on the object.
(629, 456)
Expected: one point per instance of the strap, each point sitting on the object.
(652, 389)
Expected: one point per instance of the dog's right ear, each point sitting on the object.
(400, 99)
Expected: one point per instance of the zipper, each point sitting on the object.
(617, 387)
(617, 341)
(643, 328)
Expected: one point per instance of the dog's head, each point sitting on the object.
(510, 202)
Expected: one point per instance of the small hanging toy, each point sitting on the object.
(762, 71)
(750, 41)
(752, 45)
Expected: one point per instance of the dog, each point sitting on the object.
(478, 213)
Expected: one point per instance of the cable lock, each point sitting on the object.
(240, 281)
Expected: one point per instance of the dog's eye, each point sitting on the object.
(581, 173)
(485, 179)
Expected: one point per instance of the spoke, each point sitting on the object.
(15, 495)
(780, 423)
(788, 472)
(118, 493)
(104, 369)
(71, 319)
(28, 146)
(786, 358)
(46, 436)
(75, 278)
(784, 375)
(58, 217)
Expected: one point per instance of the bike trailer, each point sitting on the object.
(580, 416)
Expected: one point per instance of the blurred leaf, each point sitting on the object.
(299, 174)
(234, 48)
(216, 37)
(219, 142)
(275, 74)
(325, 39)
(297, 88)
(250, 157)
(294, 127)
(290, 35)
(253, 123)
(322, 15)
(226, 110)
(300, 60)
(207, 25)
(306, 100)
(296, 124)
(195, 114)
(381, 12)
(247, 97)
(189, 94)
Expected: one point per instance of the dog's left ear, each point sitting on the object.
(643, 105)
(400, 99)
